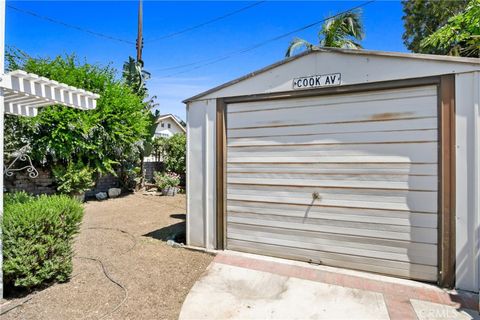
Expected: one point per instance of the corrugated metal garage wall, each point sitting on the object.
(371, 157)
(356, 67)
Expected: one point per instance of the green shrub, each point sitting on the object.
(173, 152)
(165, 180)
(130, 176)
(103, 138)
(16, 197)
(37, 239)
(176, 153)
(74, 178)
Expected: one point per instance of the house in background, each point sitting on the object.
(168, 125)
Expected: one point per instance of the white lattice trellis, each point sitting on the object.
(24, 93)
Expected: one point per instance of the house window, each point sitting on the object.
(169, 126)
(162, 125)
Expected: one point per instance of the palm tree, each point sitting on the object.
(342, 31)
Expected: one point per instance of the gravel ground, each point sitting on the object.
(128, 236)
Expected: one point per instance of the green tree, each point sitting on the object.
(342, 31)
(102, 139)
(423, 17)
(136, 77)
(172, 151)
(460, 36)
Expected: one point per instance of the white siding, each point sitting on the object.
(201, 174)
(468, 181)
(354, 69)
(383, 221)
(165, 131)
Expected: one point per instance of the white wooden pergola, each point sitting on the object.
(23, 94)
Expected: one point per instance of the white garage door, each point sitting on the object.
(372, 159)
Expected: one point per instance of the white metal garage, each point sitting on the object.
(344, 158)
(372, 160)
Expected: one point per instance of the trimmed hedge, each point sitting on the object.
(37, 239)
(17, 197)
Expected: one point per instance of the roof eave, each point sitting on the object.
(430, 57)
(247, 76)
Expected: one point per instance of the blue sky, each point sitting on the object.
(39, 37)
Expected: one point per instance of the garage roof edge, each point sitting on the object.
(431, 57)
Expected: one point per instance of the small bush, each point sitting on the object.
(17, 197)
(37, 239)
(165, 180)
(173, 152)
(73, 179)
(176, 154)
(130, 176)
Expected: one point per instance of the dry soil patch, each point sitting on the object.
(128, 235)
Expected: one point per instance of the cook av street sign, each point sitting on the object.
(323, 80)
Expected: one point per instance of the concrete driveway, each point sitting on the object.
(242, 286)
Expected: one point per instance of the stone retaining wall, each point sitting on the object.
(20, 181)
(44, 183)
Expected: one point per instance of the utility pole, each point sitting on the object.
(140, 62)
(140, 32)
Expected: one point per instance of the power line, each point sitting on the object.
(102, 35)
(188, 29)
(71, 26)
(181, 66)
(207, 62)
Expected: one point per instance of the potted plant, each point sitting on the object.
(167, 183)
(74, 180)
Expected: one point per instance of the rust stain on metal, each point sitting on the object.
(390, 115)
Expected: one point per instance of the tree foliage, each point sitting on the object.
(101, 139)
(74, 178)
(172, 151)
(423, 17)
(344, 31)
(134, 77)
(460, 36)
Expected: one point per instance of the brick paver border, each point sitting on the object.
(397, 296)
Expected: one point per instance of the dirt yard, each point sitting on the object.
(149, 279)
